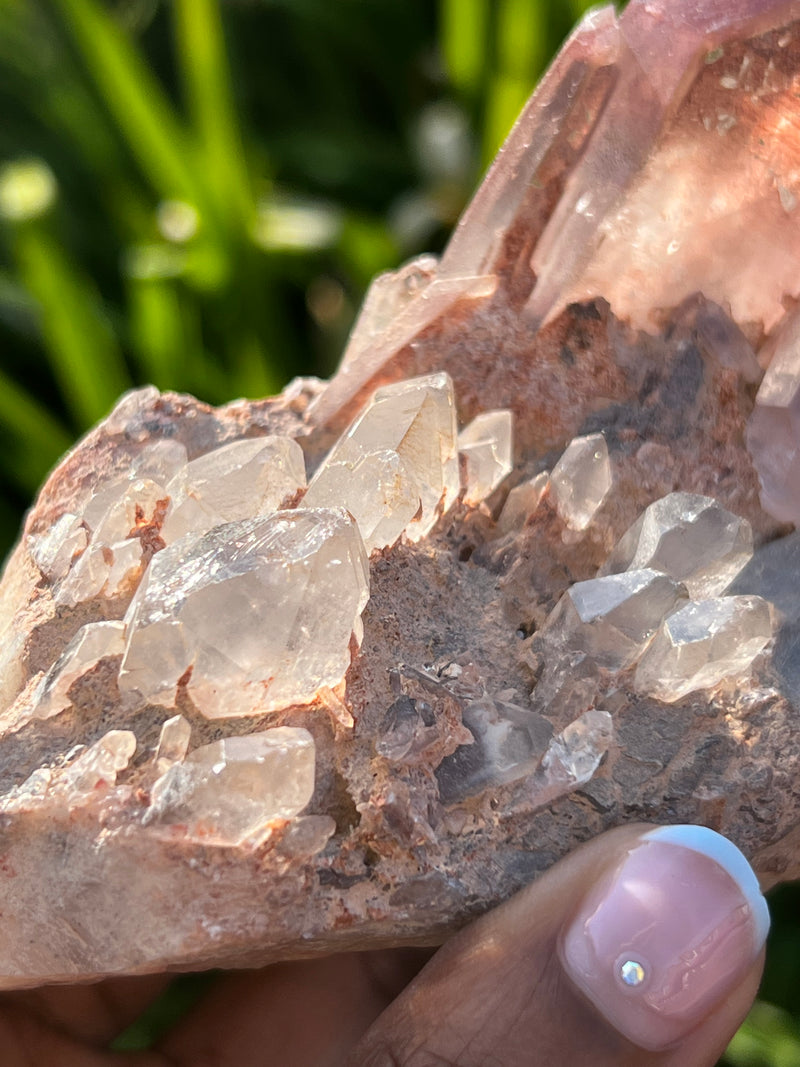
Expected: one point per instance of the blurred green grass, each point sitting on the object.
(197, 194)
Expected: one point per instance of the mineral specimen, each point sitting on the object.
(689, 537)
(253, 616)
(228, 790)
(345, 666)
(581, 480)
(486, 447)
(703, 643)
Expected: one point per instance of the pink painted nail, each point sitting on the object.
(663, 939)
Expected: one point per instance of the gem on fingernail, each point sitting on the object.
(632, 972)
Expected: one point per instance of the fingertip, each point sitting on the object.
(667, 934)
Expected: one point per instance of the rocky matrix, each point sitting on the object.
(345, 667)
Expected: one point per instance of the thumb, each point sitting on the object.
(643, 947)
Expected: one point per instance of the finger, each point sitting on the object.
(303, 1014)
(25, 1041)
(94, 1013)
(543, 978)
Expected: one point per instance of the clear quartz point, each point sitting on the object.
(522, 502)
(581, 480)
(159, 461)
(389, 295)
(253, 616)
(691, 538)
(702, 644)
(487, 448)
(416, 419)
(173, 742)
(229, 790)
(91, 644)
(236, 481)
(56, 551)
(573, 756)
(611, 618)
(106, 570)
(100, 763)
(508, 744)
(773, 430)
(377, 489)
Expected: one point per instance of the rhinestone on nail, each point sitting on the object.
(632, 973)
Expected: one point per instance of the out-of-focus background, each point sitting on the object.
(196, 194)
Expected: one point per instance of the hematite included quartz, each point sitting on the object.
(658, 187)
(296, 584)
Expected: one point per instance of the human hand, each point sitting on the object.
(537, 981)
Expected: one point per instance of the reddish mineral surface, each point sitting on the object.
(345, 667)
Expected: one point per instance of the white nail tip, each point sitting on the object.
(727, 855)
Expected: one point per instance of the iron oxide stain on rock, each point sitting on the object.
(347, 666)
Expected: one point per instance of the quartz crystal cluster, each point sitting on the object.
(345, 666)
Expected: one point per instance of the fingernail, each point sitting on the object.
(663, 939)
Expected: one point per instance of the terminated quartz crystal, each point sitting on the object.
(702, 644)
(573, 756)
(416, 420)
(55, 553)
(773, 432)
(581, 480)
(509, 743)
(296, 584)
(89, 646)
(100, 763)
(378, 490)
(486, 446)
(521, 502)
(173, 742)
(389, 296)
(237, 481)
(231, 789)
(622, 282)
(612, 618)
(690, 538)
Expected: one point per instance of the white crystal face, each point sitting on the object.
(89, 646)
(581, 480)
(417, 420)
(690, 538)
(612, 618)
(231, 789)
(253, 616)
(486, 446)
(378, 490)
(702, 644)
(236, 481)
